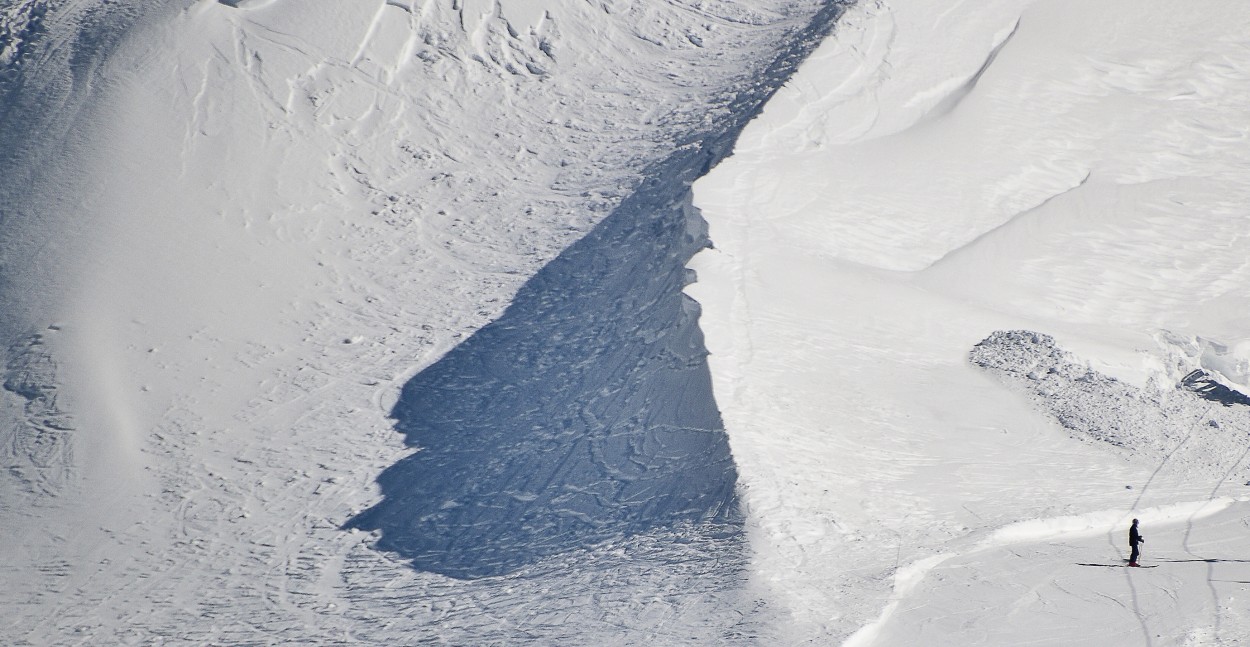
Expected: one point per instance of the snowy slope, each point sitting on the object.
(1071, 171)
(361, 322)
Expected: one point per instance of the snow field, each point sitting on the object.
(924, 181)
(274, 215)
(236, 230)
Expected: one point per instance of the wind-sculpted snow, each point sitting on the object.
(47, 70)
(1178, 425)
(21, 26)
(49, 79)
(45, 75)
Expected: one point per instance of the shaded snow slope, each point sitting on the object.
(254, 227)
(583, 413)
(930, 177)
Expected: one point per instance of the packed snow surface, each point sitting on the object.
(363, 322)
(978, 298)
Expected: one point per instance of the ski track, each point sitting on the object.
(1053, 540)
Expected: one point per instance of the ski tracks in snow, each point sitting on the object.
(929, 596)
(318, 208)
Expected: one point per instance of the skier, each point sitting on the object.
(1134, 538)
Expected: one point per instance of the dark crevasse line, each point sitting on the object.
(585, 413)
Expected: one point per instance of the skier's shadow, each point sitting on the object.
(1121, 565)
(584, 413)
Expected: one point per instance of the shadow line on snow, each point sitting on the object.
(585, 412)
(1124, 565)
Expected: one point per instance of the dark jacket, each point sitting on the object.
(1133, 537)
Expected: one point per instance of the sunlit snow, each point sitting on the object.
(977, 276)
(399, 322)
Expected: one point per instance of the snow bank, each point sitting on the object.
(906, 580)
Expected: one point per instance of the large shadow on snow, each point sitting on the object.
(585, 412)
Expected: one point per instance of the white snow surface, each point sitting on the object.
(234, 231)
(963, 262)
(362, 322)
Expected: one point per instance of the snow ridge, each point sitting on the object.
(865, 437)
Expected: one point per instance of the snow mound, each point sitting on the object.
(1081, 399)
(1179, 425)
